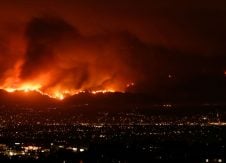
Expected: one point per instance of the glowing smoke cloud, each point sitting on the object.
(58, 60)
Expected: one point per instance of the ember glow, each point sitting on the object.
(56, 60)
(57, 94)
(60, 90)
(60, 49)
(40, 84)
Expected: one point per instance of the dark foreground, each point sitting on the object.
(88, 133)
(119, 143)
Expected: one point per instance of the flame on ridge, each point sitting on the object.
(56, 94)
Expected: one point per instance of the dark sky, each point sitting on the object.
(190, 26)
(159, 45)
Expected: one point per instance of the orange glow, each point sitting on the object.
(102, 91)
(58, 95)
(52, 57)
(130, 85)
(24, 88)
(53, 93)
(66, 75)
(30, 87)
(40, 84)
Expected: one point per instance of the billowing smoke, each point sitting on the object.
(55, 57)
(43, 34)
(58, 57)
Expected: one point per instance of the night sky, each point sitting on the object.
(160, 46)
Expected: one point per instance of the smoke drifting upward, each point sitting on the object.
(59, 60)
(145, 46)
(43, 34)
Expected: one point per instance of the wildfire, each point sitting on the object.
(42, 84)
(102, 91)
(52, 57)
(56, 94)
(25, 88)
